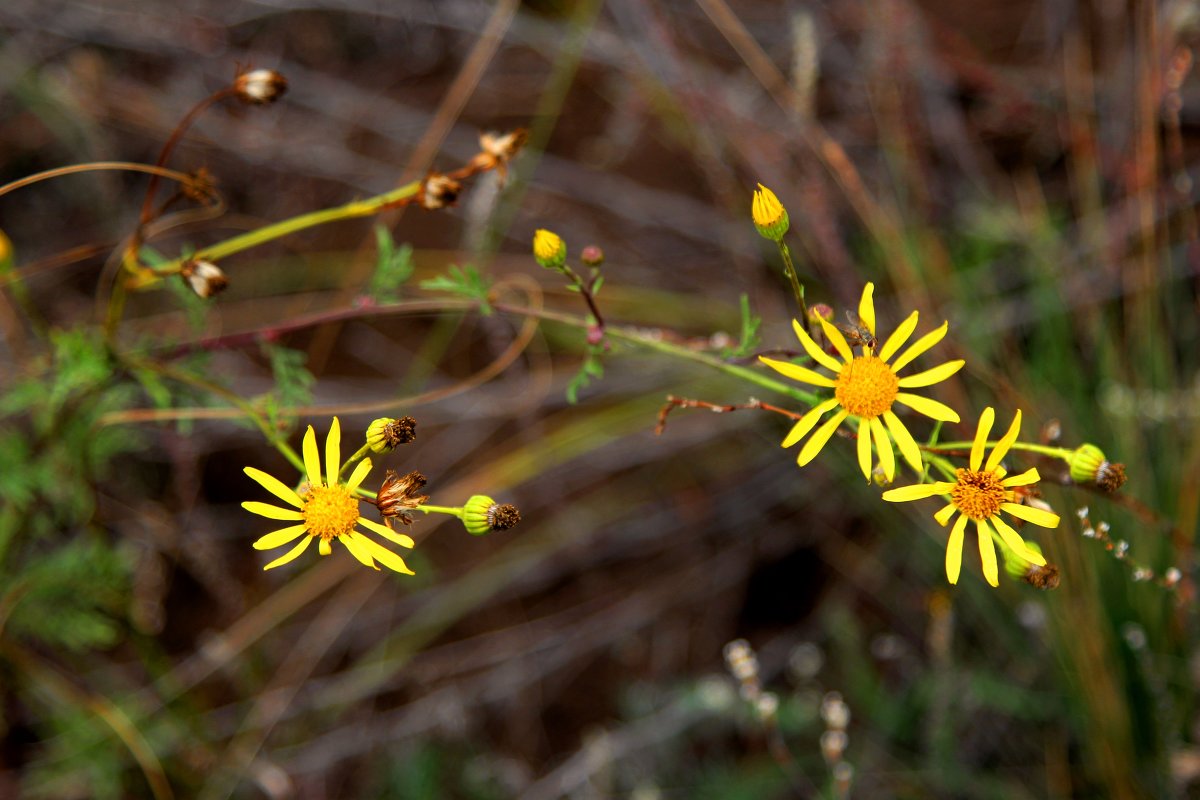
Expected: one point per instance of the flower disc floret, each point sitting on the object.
(329, 511)
(866, 387)
(979, 495)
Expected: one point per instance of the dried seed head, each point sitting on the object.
(204, 277)
(1111, 476)
(200, 187)
(259, 86)
(399, 495)
(439, 191)
(386, 434)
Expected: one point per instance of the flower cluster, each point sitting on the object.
(869, 386)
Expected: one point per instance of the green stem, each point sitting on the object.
(362, 451)
(277, 230)
(430, 509)
(1054, 452)
(790, 269)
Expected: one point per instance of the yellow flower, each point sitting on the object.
(549, 249)
(980, 493)
(324, 509)
(866, 387)
(770, 217)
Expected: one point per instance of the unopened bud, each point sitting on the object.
(483, 515)
(204, 277)
(592, 256)
(818, 312)
(260, 86)
(549, 249)
(770, 217)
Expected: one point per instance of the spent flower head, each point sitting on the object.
(324, 509)
(203, 277)
(978, 494)
(386, 434)
(260, 86)
(400, 495)
(866, 387)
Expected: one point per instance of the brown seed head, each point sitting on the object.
(204, 277)
(439, 191)
(259, 86)
(399, 495)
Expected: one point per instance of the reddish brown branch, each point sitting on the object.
(674, 402)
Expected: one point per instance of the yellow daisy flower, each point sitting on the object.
(324, 509)
(980, 493)
(866, 387)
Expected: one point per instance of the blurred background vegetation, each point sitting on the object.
(1025, 170)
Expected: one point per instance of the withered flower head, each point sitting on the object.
(204, 277)
(1044, 578)
(497, 150)
(200, 187)
(483, 515)
(1110, 476)
(259, 86)
(386, 434)
(439, 191)
(399, 495)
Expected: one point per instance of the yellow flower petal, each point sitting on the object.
(806, 423)
(323, 547)
(908, 445)
(333, 452)
(864, 448)
(932, 376)
(353, 542)
(279, 537)
(1035, 515)
(918, 491)
(981, 434)
(1002, 446)
(866, 307)
(359, 474)
(987, 552)
(1016, 543)
(954, 549)
(818, 439)
(899, 337)
(943, 516)
(883, 445)
(383, 555)
(814, 350)
(837, 340)
(275, 486)
(271, 512)
(1024, 479)
(292, 554)
(928, 407)
(920, 346)
(387, 533)
(797, 372)
(312, 461)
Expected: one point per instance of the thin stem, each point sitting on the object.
(95, 166)
(1054, 452)
(430, 509)
(790, 269)
(358, 454)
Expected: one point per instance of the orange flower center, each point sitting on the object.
(866, 387)
(329, 511)
(977, 494)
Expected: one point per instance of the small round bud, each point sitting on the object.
(386, 434)
(1085, 462)
(818, 312)
(549, 249)
(399, 495)
(483, 515)
(260, 86)
(592, 256)
(770, 217)
(204, 277)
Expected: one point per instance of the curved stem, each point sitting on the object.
(96, 166)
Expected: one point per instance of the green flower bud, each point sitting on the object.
(770, 217)
(483, 515)
(549, 249)
(385, 434)
(1085, 463)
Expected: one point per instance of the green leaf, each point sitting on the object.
(464, 282)
(393, 267)
(748, 340)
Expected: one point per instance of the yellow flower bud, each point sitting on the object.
(770, 217)
(549, 249)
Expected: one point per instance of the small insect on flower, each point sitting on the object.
(866, 387)
(325, 509)
(857, 332)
